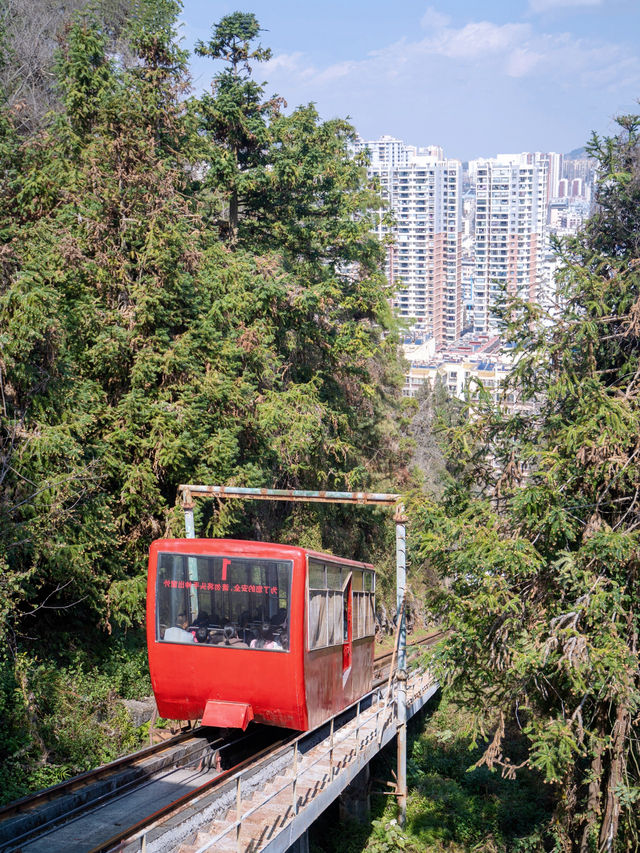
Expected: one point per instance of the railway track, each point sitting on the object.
(92, 811)
(107, 808)
(382, 662)
(107, 777)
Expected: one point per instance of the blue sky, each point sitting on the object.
(477, 78)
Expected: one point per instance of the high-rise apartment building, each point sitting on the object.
(424, 192)
(554, 169)
(510, 231)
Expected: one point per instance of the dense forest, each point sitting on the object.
(190, 291)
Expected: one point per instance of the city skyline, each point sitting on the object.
(453, 249)
(424, 192)
(532, 75)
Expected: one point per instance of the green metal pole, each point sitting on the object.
(401, 583)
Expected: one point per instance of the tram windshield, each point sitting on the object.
(228, 602)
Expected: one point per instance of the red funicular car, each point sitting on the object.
(240, 631)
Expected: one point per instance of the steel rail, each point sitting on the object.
(423, 642)
(73, 814)
(128, 835)
(381, 679)
(31, 801)
(91, 804)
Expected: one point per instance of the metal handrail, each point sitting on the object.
(241, 816)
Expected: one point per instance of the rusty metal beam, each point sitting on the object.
(189, 492)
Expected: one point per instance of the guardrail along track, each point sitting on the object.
(314, 769)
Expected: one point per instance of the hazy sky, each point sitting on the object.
(478, 78)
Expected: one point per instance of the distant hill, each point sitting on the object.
(577, 154)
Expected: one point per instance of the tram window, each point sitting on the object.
(317, 577)
(327, 585)
(335, 618)
(371, 616)
(334, 579)
(363, 614)
(229, 602)
(356, 615)
(325, 604)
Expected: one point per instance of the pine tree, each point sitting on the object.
(234, 117)
(142, 348)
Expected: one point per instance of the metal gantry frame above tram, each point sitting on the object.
(392, 501)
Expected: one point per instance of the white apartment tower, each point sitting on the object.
(510, 234)
(424, 191)
(554, 169)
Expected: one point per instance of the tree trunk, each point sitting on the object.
(593, 799)
(609, 826)
(233, 217)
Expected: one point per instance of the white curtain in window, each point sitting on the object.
(356, 615)
(335, 618)
(371, 616)
(317, 619)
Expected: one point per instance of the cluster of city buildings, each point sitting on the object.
(460, 236)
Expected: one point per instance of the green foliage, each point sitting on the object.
(451, 807)
(189, 292)
(233, 119)
(387, 837)
(437, 413)
(452, 804)
(62, 718)
(231, 40)
(538, 539)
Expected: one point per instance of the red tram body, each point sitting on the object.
(240, 631)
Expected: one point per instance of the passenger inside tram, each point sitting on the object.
(178, 633)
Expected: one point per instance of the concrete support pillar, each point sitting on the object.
(301, 845)
(354, 802)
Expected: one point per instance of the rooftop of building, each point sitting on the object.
(481, 351)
